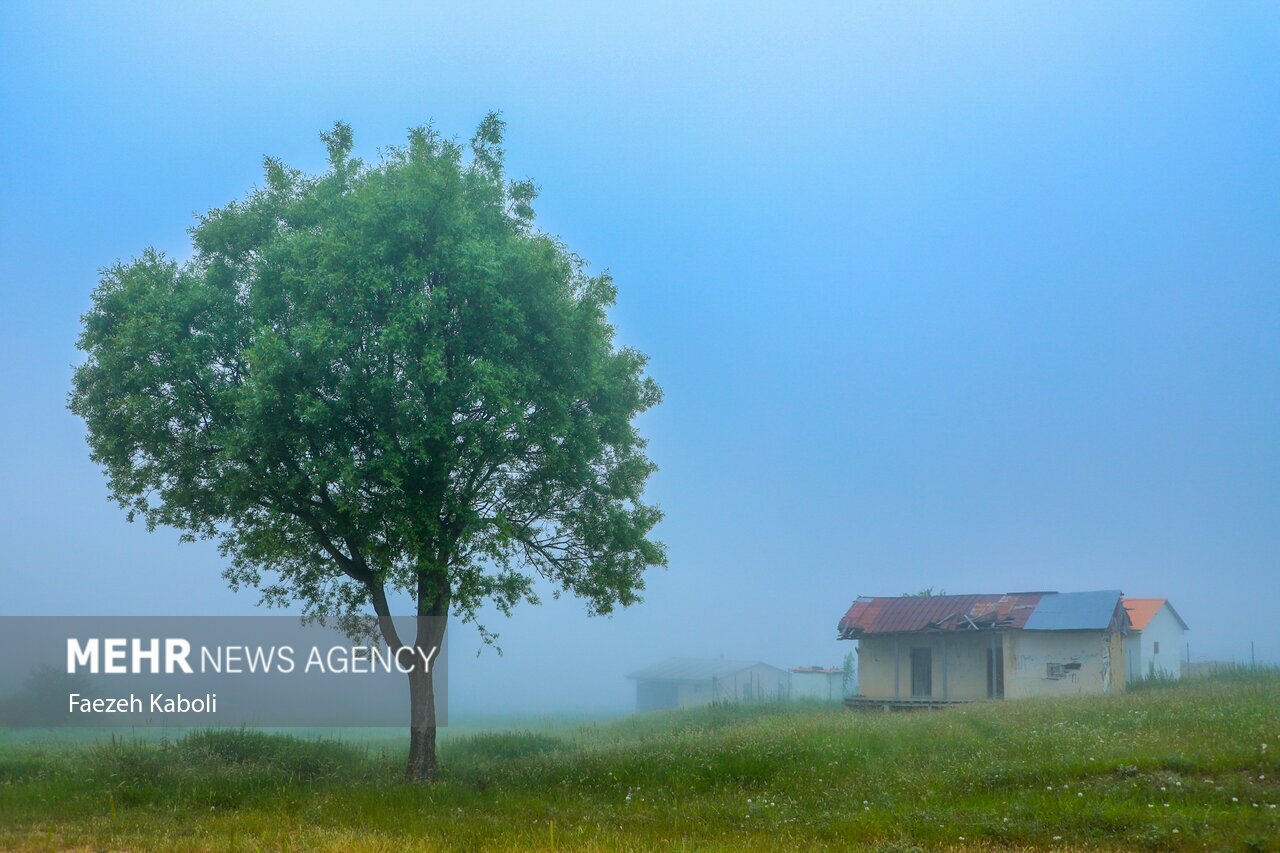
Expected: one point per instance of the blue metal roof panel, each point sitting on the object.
(1075, 611)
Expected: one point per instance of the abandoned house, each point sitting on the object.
(926, 651)
(685, 682)
(1155, 643)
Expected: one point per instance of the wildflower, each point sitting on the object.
(1057, 838)
(1235, 799)
(1175, 830)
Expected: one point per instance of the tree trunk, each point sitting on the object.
(433, 614)
(422, 725)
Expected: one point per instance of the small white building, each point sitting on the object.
(1156, 642)
(687, 682)
(816, 682)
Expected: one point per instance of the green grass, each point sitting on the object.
(1170, 766)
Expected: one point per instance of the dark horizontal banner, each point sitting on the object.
(207, 671)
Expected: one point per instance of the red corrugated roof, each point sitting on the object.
(937, 612)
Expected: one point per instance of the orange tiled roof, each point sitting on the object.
(1142, 609)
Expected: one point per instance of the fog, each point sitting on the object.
(981, 300)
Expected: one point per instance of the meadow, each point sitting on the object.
(1179, 766)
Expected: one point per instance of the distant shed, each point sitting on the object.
(687, 682)
(817, 682)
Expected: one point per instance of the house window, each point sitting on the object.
(1055, 670)
(1155, 647)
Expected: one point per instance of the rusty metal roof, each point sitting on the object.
(1034, 611)
(908, 614)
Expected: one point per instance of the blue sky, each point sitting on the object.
(977, 297)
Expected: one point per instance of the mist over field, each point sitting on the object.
(978, 299)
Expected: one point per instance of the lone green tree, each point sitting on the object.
(379, 378)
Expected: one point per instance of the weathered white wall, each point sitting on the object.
(1165, 630)
(1100, 657)
(1135, 666)
(965, 656)
(1027, 654)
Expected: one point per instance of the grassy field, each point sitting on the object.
(1170, 767)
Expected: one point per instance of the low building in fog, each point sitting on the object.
(687, 682)
(817, 682)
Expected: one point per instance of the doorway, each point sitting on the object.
(921, 672)
(995, 672)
